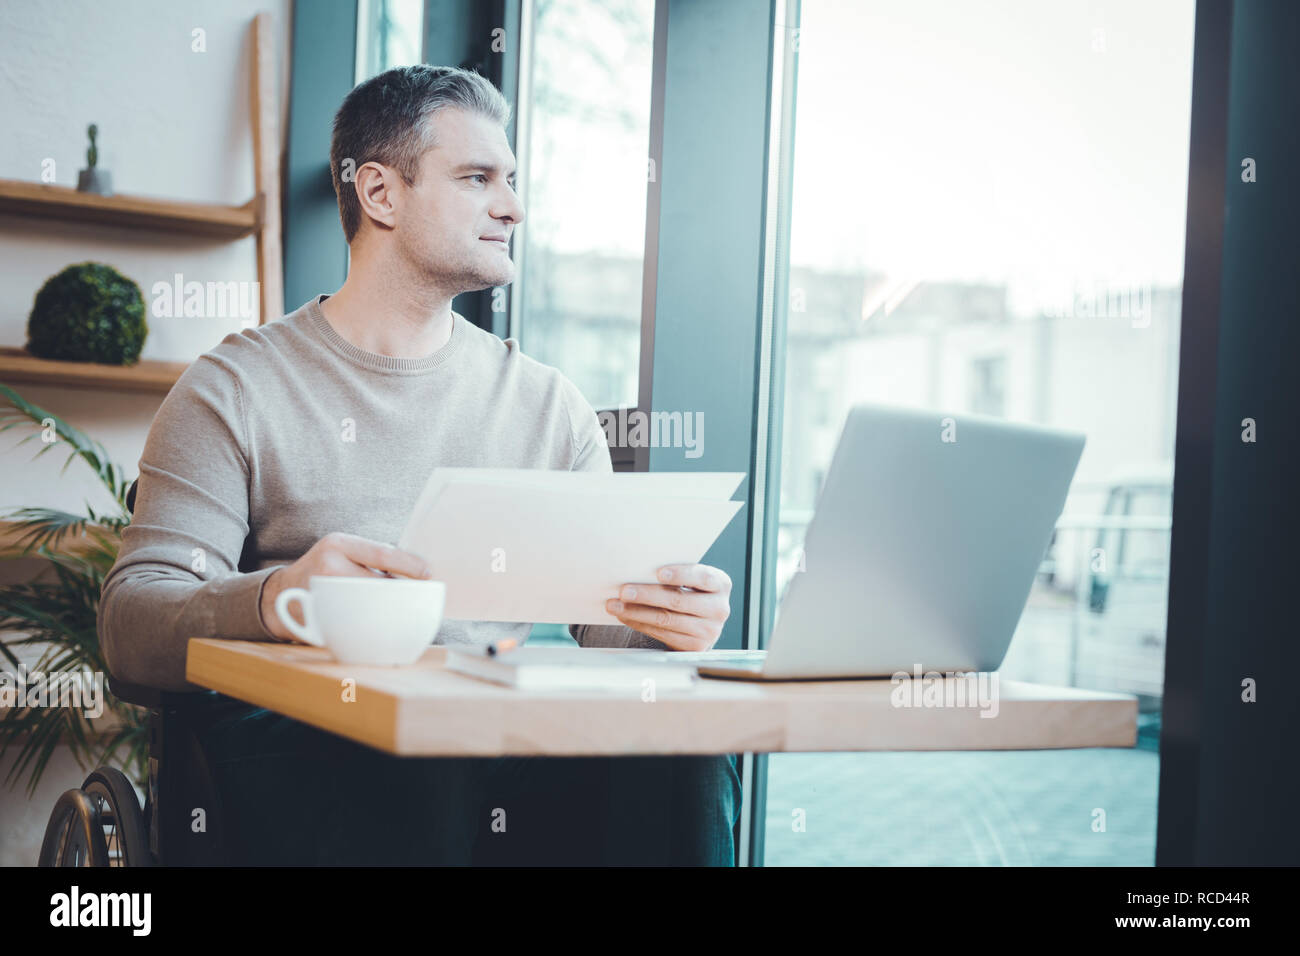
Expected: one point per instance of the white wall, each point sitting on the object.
(173, 123)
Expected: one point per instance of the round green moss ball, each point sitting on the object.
(89, 312)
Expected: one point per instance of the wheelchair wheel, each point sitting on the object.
(126, 837)
(98, 825)
(74, 837)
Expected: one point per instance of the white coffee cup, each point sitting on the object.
(373, 620)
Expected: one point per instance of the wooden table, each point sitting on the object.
(426, 710)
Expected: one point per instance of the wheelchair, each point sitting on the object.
(102, 823)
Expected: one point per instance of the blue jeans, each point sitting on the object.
(291, 794)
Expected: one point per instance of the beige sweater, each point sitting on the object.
(285, 433)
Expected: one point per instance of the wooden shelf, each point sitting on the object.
(259, 217)
(45, 201)
(16, 365)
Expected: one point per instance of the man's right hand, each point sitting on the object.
(342, 555)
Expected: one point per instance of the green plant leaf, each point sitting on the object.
(83, 446)
(59, 616)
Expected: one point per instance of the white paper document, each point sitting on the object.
(551, 547)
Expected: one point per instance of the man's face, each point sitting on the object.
(457, 219)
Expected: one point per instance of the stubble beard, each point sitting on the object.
(467, 275)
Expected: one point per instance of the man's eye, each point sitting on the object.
(479, 176)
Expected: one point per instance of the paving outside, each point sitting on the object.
(985, 808)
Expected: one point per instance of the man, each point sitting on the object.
(299, 448)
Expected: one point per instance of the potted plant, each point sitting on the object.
(89, 312)
(57, 611)
(92, 179)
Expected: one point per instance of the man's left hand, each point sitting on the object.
(686, 610)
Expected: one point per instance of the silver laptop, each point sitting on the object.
(928, 533)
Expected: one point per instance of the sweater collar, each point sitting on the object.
(384, 363)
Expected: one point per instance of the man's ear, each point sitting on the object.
(376, 192)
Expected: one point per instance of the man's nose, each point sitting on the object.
(510, 207)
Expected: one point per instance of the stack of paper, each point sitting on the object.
(552, 547)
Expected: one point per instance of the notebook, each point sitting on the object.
(576, 668)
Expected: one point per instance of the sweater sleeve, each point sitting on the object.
(593, 455)
(176, 575)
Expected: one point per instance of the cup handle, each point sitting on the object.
(308, 633)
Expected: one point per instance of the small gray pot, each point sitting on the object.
(95, 180)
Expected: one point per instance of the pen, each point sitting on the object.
(500, 647)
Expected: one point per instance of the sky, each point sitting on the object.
(993, 140)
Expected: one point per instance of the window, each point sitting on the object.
(584, 110)
(988, 385)
(584, 192)
(988, 215)
(389, 35)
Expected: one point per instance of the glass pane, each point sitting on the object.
(389, 34)
(585, 192)
(988, 216)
